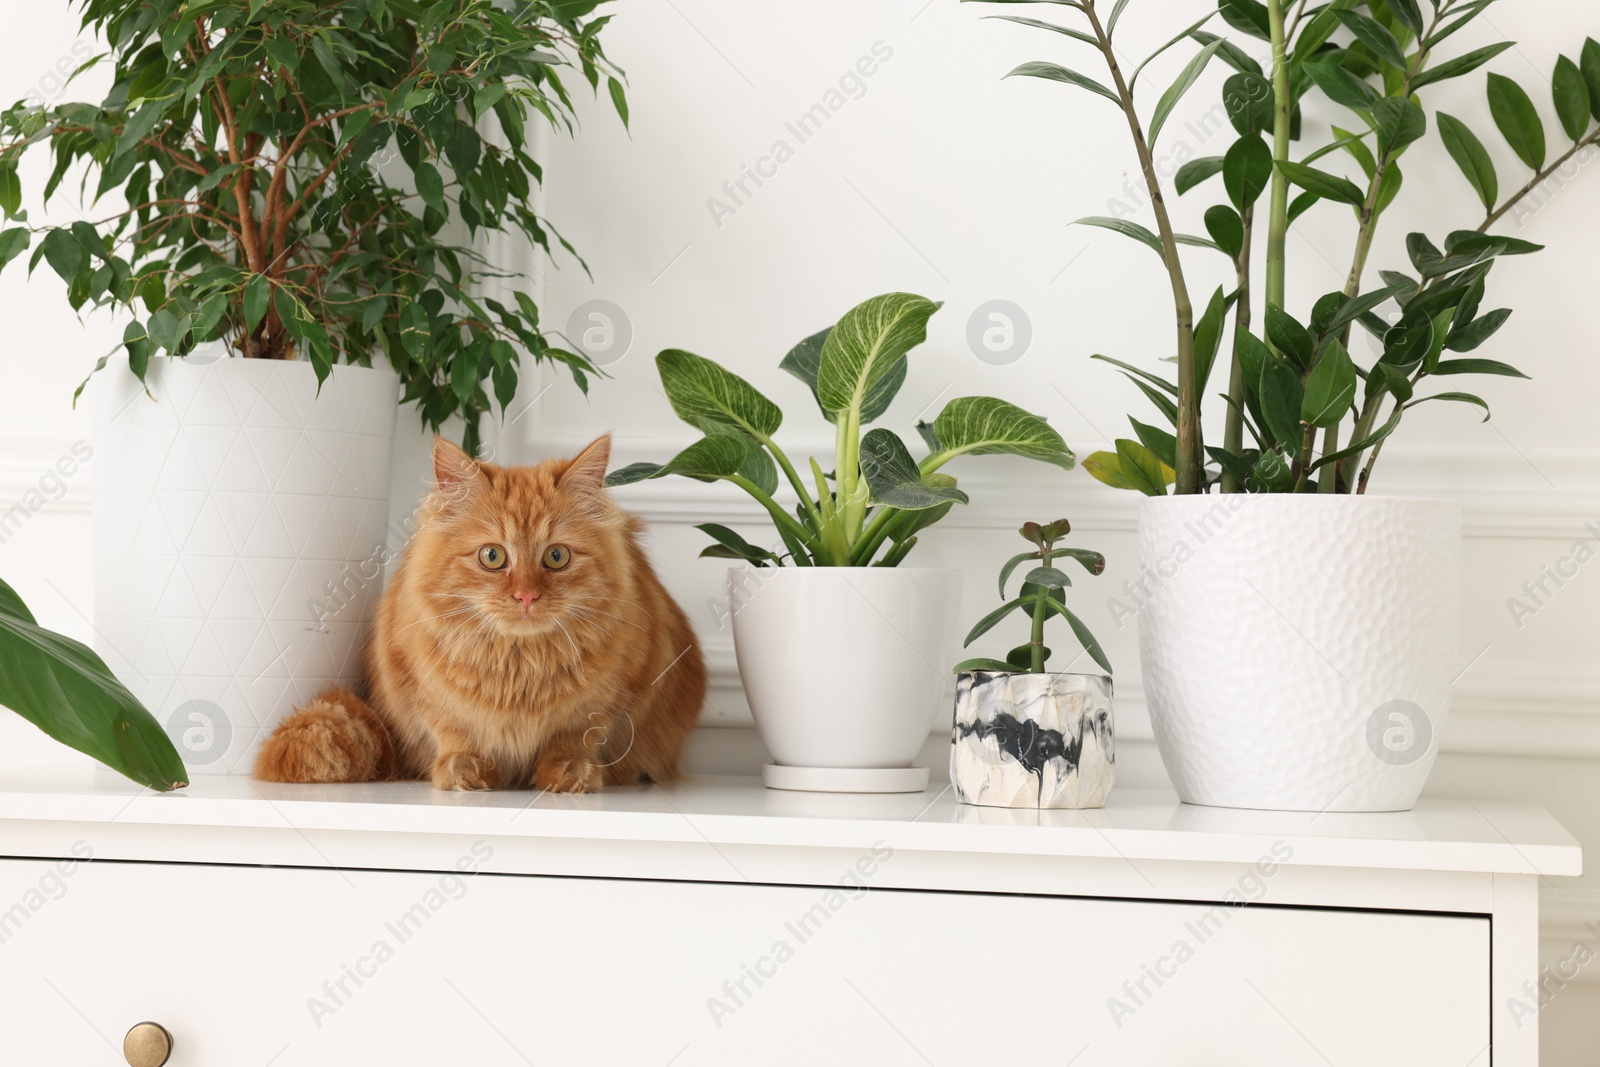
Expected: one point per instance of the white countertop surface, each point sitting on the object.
(1438, 835)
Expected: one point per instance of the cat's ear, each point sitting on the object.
(453, 469)
(587, 471)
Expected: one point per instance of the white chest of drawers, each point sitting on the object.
(716, 922)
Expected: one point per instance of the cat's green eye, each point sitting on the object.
(492, 557)
(557, 556)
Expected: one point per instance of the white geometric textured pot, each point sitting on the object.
(1298, 650)
(240, 519)
(1032, 740)
(844, 667)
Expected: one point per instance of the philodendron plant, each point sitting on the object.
(67, 691)
(1043, 595)
(877, 495)
(285, 178)
(1317, 420)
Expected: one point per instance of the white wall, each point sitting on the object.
(940, 178)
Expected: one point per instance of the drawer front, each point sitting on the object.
(255, 966)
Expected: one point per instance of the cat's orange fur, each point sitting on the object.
(559, 679)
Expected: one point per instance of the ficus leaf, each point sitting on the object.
(430, 187)
(257, 294)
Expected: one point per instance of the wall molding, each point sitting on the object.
(1529, 709)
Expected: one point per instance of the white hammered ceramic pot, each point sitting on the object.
(240, 528)
(1298, 651)
(844, 667)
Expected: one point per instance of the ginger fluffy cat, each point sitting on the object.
(523, 641)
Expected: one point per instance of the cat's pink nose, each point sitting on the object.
(527, 600)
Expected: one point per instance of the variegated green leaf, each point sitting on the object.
(983, 425)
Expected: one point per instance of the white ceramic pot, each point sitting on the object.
(240, 519)
(844, 667)
(1032, 740)
(1298, 650)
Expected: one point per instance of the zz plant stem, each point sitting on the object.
(1282, 123)
(1190, 468)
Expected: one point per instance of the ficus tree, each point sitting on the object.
(877, 497)
(1316, 419)
(294, 178)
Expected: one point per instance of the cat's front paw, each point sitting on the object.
(567, 774)
(464, 772)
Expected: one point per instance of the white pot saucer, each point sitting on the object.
(846, 779)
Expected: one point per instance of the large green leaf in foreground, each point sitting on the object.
(67, 691)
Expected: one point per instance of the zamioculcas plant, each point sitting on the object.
(1042, 595)
(877, 495)
(245, 183)
(1316, 419)
(67, 691)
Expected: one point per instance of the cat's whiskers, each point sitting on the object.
(570, 641)
(433, 618)
(624, 600)
(611, 615)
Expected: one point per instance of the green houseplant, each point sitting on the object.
(1041, 599)
(877, 495)
(845, 600)
(1293, 535)
(1317, 421)
(1022, 736)
(295, 184)
(68, 692)
(252, 147)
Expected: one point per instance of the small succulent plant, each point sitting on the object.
(1041, 595)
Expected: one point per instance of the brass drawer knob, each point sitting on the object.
(147, 1045)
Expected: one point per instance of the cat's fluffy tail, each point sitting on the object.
(335, 738)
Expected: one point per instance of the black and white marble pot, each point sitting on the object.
(1032, 740)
